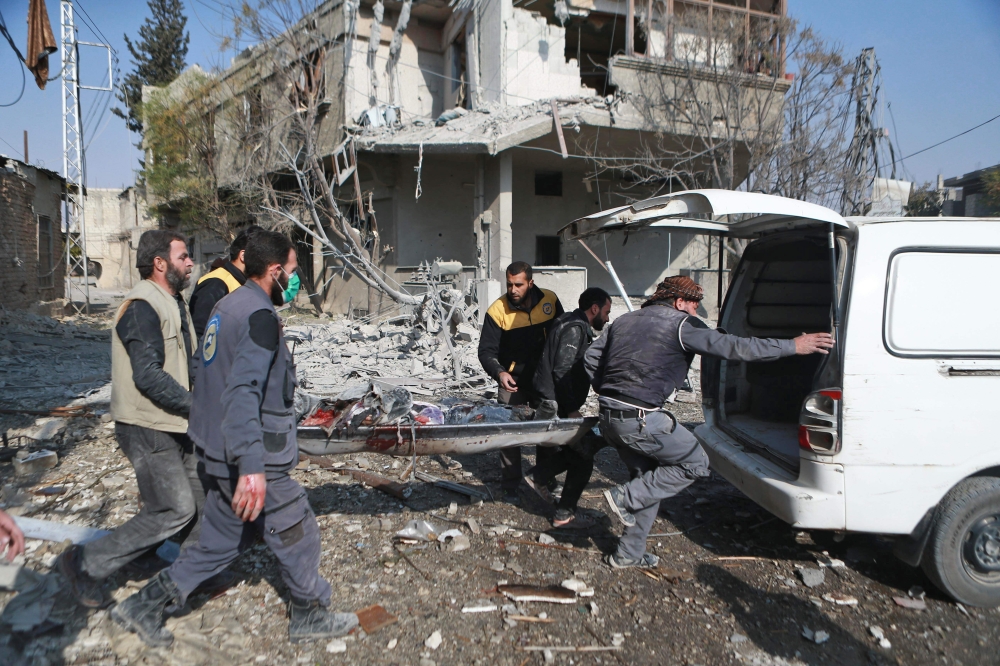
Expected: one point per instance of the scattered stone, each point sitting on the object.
(453, 508)
(738, 638)
(817, 637)
(433, 641)
(545, 539)
(458, 544)
(617, 640)
(497, 565)
(336, 645)
(392, 644)
(910, 603)
(473, 525)
(812, 577)
(840, 599)
(38, 461)
(879, 636)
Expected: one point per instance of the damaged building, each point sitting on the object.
(482, 128)
(31, 244)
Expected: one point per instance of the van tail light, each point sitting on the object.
(819, 422)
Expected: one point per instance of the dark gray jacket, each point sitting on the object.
(242, 415)
(561, 375)
(646, 354)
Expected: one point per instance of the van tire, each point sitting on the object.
(969, 515)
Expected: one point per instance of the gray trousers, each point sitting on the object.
(663, 459)
(172, 494)
(286, 524)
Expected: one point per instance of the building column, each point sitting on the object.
(499, 200)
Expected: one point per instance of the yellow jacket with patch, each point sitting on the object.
(513, 338)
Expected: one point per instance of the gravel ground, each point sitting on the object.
(730, 589)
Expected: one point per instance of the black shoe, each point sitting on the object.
(87, 591)
(310, 620)
(512, 497)
(647, 561)
(616, 500)
(143, 612)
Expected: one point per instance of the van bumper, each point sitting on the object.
(814, 500)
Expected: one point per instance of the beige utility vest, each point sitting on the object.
(128, 405)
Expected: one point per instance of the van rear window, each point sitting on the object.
(937, 303)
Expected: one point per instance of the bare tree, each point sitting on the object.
(271, 134)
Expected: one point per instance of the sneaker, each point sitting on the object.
(539, 489)
(616, 500)
(88, 592)
(310, 620)
(647, 561)
(143, 612)
(571, 519)
(511, 497)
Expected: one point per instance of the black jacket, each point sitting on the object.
(561, 375)
(513, 337)
(139, 331)
(209, 292)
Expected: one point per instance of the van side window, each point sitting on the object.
(938, 304)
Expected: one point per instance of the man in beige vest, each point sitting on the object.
(151, 347)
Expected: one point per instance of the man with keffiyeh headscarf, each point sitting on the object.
(635, 368)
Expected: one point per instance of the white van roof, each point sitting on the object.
(700, 211)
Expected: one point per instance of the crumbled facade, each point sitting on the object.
(115, 219)
(31, 239)
(458, 145)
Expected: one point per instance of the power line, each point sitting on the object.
(939, 143)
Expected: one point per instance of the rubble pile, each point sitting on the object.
(342, 355)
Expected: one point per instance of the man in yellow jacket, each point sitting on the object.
(510, 344)
(213, 286)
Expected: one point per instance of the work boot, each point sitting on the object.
(647, 561)
(310, 620)
(571, 519)
(87, 591)
(616, 500)
(143, 612)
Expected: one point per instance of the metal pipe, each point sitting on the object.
(832, 242)
(718, 301)
(618, 283)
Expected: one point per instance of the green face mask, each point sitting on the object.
(293, 287)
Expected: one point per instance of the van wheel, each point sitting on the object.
(963, 552)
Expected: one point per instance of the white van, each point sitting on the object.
(892, 433)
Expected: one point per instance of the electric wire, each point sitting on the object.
(951, 138)
(20, 58)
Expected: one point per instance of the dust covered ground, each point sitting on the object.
(730, 589)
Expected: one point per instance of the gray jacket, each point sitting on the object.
(646, 354)
(242, 415)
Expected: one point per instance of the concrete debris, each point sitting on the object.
(812, 577)
(840, 599)
(392, 644)
(433, 641)
(26, 463)
(545, 539)
(458, 544)
(910, 603)
(879, 635)
(738, 638)
(818, 637)
(480, 606)
(336, 646)
(553, 594)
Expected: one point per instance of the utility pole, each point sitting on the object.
(862, 157)
(73, 153)
(76, 228)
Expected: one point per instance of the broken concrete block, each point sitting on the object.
(465, 333)
(113, 482)
(35, 462)
(43, 430)
(544, 538)
(812, 577)
(458, 544)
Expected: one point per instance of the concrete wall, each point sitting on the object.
(25, 194)
(115, 219)
(535, 61)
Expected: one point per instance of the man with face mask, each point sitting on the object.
(562, 382)
(243, 424)
(150, 403)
